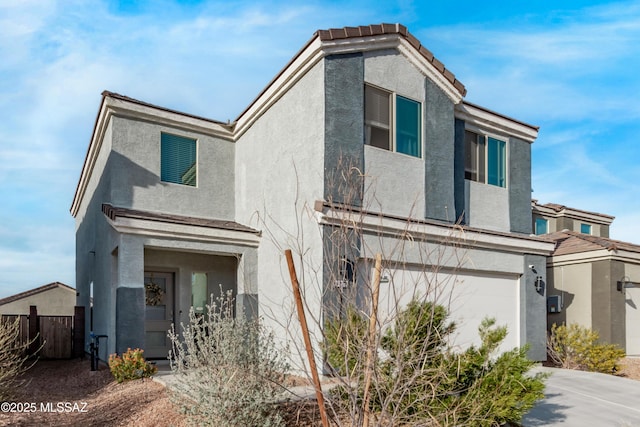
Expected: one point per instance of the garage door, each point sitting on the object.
(469, 298)
(632, 320)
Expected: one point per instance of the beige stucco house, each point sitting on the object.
(593, 280)
(54, 299)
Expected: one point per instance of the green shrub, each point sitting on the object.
(420, 381)
(577, 347)
(345, 342)
(490, 389)
(130, 366)
(227, 370)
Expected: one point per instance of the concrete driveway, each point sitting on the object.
(576, 398)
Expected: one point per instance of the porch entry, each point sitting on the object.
(158, 313)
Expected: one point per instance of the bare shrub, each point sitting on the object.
(227, 369)
(13, 357)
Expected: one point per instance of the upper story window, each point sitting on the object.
(392, 122)
(585, 228)
(485, 159)
(542, 226)
(178, 159)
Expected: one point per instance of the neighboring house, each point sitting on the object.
(170, 207)
(593, 280)
(54, 299)
(551, 217)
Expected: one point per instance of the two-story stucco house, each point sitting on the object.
(169, 206)
(593, 280)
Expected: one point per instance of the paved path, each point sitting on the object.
(576, 398)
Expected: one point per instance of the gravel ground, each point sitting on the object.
(71, 384)
(88, 398)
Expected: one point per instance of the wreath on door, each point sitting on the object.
(153, 293)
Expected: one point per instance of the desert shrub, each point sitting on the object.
(131, 366)
(487, 388)
(420, 381)
(345, 341)
(577, 347)
(227, 369)
(13, 358)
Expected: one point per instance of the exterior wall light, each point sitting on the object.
(539, 284)
(625, 283)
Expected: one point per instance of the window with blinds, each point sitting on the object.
(384, 111)
(485, 159)
(178, 156)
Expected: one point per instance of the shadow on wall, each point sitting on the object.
(93, 236)
(561, 317)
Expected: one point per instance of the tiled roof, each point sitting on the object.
(382, 29)
(113, 212)
(572, 242)
(35, 291)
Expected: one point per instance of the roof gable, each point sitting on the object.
(35, 291)
(386, 29)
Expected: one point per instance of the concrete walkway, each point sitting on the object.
(576, 398)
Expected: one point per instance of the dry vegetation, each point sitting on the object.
(133, 403)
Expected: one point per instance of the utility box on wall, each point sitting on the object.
(554, 304)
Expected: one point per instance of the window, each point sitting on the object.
(199, 292)
(585, 228)
(178, 159)
(380, 110)
(542, 226)
(485, 159)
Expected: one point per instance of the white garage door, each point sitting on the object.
(632, 320)
(469, 298)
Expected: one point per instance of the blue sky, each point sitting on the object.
(570, 67)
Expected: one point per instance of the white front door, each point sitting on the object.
(158, 313)
(632, 320)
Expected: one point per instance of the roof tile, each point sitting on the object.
(386, 28)
(439, 65)
(365, 30)
(449, 76)
(572, 242)
(353, 32)
(377, 29)
(413, 41)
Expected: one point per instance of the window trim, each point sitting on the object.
(584, 224)
(485, 173)
(546, 225)
(393, 121)
(194, 167)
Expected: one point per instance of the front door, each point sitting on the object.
(158, 313)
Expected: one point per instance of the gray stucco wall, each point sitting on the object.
(95, 241)
(608, 304)
(533, 307)
(344, 128)
(394, 182)
(458, 171)
(439, 151)
(487, 206)
(279, 175)
(519, 186)
(137, 184)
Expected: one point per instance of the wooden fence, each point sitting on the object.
(57, 337)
